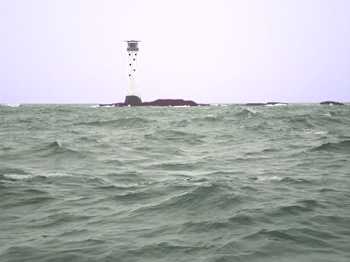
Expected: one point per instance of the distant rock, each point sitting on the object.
(132, 100)
(170, 102)
(136, 101)
(255, 104)
(331, 103)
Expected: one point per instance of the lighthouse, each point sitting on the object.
(131, 98)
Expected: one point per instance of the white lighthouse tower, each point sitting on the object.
(132, 99)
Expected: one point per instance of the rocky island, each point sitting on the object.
(133, 100)
(331, 103)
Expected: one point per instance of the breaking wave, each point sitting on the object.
(342, 146)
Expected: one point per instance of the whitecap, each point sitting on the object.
(11, 105)
(17, 176)
(251, 110)
(320, 133)
(315, 132)
(27, 176)
(274, 105)
(56, 174)
(268, 178)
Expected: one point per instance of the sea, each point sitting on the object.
(216, 183)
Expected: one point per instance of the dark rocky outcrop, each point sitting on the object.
(254, 104)
(132, 101)
(330, 103)
(136, 101)
(170, 102)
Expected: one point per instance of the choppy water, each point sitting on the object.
(175, 184)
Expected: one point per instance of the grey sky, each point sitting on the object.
(71, 51)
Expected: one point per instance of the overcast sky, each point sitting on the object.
(72, 51)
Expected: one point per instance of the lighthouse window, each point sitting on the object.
(134, 70)
(134, 59)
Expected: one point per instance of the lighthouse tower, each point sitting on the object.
(132, 99)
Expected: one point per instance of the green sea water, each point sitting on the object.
(226, 183)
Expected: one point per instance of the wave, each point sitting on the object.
(342, 146)
(180, 123)
(26, 196)
(268, 178)
(174, 166)
(207, 119)
(289, 180)
(203, 226)
(200, 198)
(36, 200)
(158, 251)
(297, 180)
(32, 176)
(298, 208)
(190, 199)
(300, 122)
(242, 219)
(304, 236)
(292, 210)
(17, 176)
(176, 136)
(55, 145)
(76, 251)
(60, 219)
(332, 219)
(119, 123)
(245, 112)
(8, 170)
(57, 148)
(134, 196)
